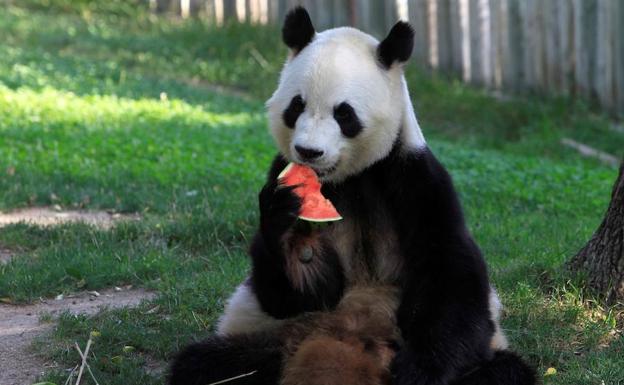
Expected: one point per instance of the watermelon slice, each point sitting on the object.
(314, 206)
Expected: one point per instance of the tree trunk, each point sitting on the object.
(602, 259)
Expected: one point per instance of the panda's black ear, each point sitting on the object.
(397, 46)
(298, 30)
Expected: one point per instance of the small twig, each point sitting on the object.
(84, 360)
(197, 321)
(88, 366)
(71, 374)
(259, 58)
(233, 378)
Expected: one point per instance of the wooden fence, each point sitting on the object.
(570, 47)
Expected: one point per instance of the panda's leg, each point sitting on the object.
(246, 359)
(505, 368)
(243, 313)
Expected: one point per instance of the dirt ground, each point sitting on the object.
(19, 325)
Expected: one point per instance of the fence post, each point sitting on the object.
(417, 10)
(376, 19)
(159, 6)
(535, 61)
(480, 42)
(341, 13)
(550, 11)
(443, 30)
(604, 71)
(457, 31)
(565, 21)
(584, 46)
(498, 32)
(391, 15)
(360, 14)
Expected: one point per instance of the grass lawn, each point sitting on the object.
(108, 107)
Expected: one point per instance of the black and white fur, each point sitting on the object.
(343, 108)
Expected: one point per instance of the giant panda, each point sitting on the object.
(395, 293)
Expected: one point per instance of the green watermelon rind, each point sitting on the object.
(285, 170)
(320, 220)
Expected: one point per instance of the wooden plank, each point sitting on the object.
(341, 13)
(604, 69)
(513, 55)
(432, 25)
(528, 25)
(480, 42)
(565, 23)
(207, 12)
(537, 44)
(418, 16)
(376, 19)
(552, 64)
(325, 14)
(390, 14)
(158, 6)
(443, 31)
(498, 36)
(534, 32)
(273, 11)
(361, 15)
(352, 12)
(401, 10)
(282, 9)
(312, 7)
(585, 18)
(476, 67)
(458, 28)
(264, 11)
(229, 10)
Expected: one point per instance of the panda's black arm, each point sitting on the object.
(444, 313)
(270, 281)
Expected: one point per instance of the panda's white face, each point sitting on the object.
(338, 110)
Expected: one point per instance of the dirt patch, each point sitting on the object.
(19, 325)
(46, 216)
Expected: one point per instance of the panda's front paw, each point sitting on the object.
(279, 209)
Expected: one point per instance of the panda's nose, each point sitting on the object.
(308, 153)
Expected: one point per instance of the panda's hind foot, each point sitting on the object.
(253, 359)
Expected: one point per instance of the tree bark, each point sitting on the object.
(602, 258)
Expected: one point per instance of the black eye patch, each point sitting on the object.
(347, 119)
(292, 112)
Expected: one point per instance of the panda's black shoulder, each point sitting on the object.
(406, 169)
(421, 193)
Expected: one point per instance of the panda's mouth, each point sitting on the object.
(323, 172)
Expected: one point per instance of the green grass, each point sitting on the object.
(104, 106)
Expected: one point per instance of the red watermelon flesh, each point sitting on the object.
(314, 206)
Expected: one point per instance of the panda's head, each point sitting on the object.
(342, 102)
